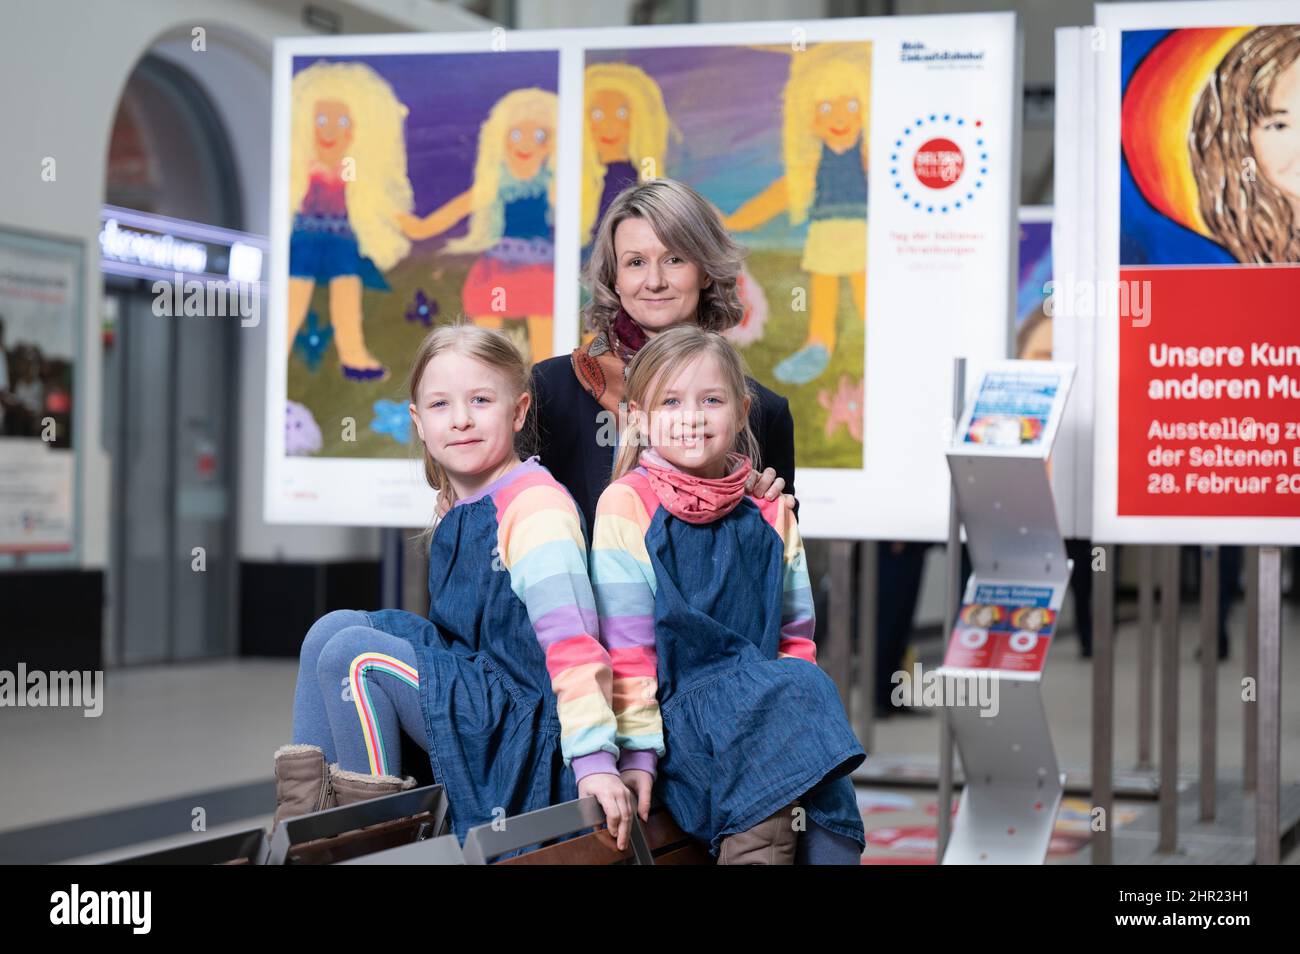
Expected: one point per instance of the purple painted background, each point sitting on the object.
(449, 95)
(1035, 267)
(726, 103)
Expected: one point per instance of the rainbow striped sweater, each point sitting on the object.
(623, 580)
(540, 543)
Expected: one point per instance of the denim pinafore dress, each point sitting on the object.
(745, 732)
(490, 716)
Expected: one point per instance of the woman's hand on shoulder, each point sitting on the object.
(768, 486)
(615, 800)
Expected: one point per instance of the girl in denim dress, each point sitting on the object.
(706, 610)
(505, 684)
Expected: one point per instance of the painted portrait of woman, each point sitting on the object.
(1245, 147)
(1211, 141)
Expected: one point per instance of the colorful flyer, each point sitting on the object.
(1012, 408)
(1016, 405)
(1006, 626)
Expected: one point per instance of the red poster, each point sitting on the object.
(1209, 393)
(1208, 421)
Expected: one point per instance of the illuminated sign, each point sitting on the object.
(141, 245)
(159, 251)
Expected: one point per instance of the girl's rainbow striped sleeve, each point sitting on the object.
(798, 619)
(539, 537)
(623, 580)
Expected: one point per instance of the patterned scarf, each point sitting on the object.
(601, 367)
(696, 499)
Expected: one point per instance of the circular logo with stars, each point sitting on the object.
(939, 163)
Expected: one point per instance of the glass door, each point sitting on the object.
(169, 427)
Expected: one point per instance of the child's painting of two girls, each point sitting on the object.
(421, 188)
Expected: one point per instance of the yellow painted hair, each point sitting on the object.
(647, 131)
(380, 188)
(487, 215)
(819, 73)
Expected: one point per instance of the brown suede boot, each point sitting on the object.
(302, 782)
(352, 787)
(771, 842)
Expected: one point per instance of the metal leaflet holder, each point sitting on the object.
(992, 671)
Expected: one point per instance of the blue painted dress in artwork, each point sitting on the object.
(618, 176)
(515, 277)
(837, 230)
(322, 245)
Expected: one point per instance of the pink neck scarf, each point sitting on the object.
(696, 499)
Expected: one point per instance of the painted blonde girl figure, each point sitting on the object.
(511, 210)
(626, 136)
(824, 147)
(626, 142)
(348, 187)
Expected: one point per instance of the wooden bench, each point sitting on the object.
(659, 841)
(411, 828)
(443, 850)
(352, 831)
(670, 845)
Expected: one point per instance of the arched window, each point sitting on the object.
(169, 152)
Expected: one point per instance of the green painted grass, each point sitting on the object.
(779, 274)
(394, 340)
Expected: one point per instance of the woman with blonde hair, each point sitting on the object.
(511, 210)
(660, 258)
(825, 150)
(349, 193)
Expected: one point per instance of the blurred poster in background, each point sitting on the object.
(40, 299)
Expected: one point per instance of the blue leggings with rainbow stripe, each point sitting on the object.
(357, 686)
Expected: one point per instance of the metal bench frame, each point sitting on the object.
(293, 832)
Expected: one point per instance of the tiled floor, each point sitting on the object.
(164, 732)
(175, 737)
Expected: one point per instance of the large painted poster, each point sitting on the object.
(417, 185)
(879, 229)
(414, 184)
(1201, 357)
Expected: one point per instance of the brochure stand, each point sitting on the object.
(991, 676)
